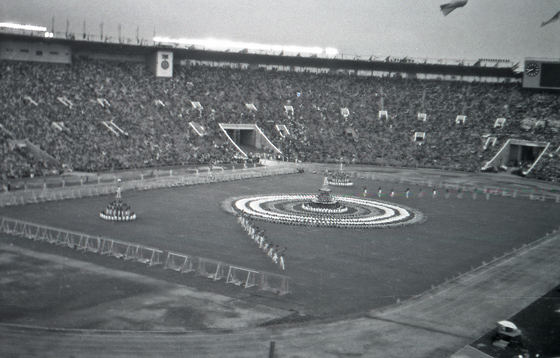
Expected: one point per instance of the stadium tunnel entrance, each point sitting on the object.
(248, 138)
(524, 153)
(518, 154)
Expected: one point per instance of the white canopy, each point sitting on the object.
(507, 324)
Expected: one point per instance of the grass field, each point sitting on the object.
(334, 272)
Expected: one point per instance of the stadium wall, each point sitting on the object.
(35, 51)
(105, 56)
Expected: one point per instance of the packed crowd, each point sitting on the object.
(548, 168)
(116, 115)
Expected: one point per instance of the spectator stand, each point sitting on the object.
(156, 115)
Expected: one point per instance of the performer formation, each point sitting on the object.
(118, 210)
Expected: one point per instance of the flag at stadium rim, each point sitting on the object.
(554, 18)
(447, 8)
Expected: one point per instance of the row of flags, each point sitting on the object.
(446, 9)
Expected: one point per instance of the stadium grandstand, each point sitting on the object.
(110, 95)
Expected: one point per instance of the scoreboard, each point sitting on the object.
(541, 74)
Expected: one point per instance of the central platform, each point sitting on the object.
(324, 202)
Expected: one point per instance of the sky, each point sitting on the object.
(496, 29)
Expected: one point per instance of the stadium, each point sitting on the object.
(160, 199)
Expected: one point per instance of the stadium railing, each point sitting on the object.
(180, 262)
(244, 277)
(451, 187)
(183, 263)
(81, 241)
(45, 193)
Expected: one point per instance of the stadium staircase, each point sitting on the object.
(28, 148)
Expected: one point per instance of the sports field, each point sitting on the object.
(333, 272)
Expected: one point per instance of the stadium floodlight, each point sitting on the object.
(10, 25)
(223, 45)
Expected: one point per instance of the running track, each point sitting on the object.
(437, 324)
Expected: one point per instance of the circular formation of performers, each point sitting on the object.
(324, 203)
(340, 209)
(363, 213)
(117, 211)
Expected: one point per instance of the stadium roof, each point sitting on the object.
(275, 60)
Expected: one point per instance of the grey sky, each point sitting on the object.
(507, 29)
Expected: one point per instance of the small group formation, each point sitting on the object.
(117, 211)
(340, 179)
(259, 237)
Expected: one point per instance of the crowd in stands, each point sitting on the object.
(118, 115)
(548, 167)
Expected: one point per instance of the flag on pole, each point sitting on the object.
(554, 18)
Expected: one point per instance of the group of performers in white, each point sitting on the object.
(302, 218)
(421, 193)
(117, 211)
(259, 237)
(340, 179)
(337, 210)
(407, 193)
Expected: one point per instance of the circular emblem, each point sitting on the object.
(164, 64)
(532, 69)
